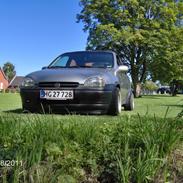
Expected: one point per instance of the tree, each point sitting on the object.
(150, 85)
(140, 31)
(9, 70)
(176, 86)
(169, 61)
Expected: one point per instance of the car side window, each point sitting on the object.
(61, 61)
(119, 62)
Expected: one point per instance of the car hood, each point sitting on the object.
(67, 74)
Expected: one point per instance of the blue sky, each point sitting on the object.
(34, 32)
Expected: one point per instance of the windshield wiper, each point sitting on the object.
(74, 66)
(56, 66)
(85, 66)
(79, 66)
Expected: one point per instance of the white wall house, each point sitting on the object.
(1, 86)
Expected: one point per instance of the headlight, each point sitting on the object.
(28, 82)
(95, 82)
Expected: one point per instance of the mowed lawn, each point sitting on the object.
(147, 105)
(9, 101)
(137, 146)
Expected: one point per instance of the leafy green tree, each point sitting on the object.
(144, 33)
(168, 61)
(9, 70)
(150, 85)
(176, 86)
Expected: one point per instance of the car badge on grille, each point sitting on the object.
(57, 85)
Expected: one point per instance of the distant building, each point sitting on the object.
(3, 81)
(15, 83)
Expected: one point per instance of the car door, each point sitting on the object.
(124, 81)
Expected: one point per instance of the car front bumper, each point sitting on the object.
(85, 100)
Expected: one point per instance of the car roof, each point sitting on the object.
(90, 51)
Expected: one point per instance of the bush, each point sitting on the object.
(150, 85)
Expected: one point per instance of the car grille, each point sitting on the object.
(58, 84)
(59, 102)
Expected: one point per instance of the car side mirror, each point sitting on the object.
(45, 67)
(123, 68)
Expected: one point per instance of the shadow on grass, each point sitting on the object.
(16, 111)
(158, 96)
(173, 105)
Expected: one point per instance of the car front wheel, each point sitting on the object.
(115, 106)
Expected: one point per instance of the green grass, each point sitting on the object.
(133, 147)
(158, 104)
(150, 105)
(9, 101)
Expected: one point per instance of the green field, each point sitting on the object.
(133, 147)
(151, 105)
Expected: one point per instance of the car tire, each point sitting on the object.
(25, 111)
(115, 106)
(28, 109)
(129, 106)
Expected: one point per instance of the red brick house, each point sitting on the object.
(3, 81)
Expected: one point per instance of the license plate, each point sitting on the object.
(56, 94)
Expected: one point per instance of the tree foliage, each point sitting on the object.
(9, 70)
(146, 34)
(150, 85)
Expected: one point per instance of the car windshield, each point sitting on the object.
(84, 59)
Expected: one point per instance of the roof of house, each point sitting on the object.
(1, 70)
(16, 81)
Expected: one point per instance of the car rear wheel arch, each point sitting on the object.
(129, 105)
(118, 86)
(115, 105)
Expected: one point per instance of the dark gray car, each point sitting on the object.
(85, 81)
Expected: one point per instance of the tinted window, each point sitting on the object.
(85, 59)
(119, 62)
(61, 61)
